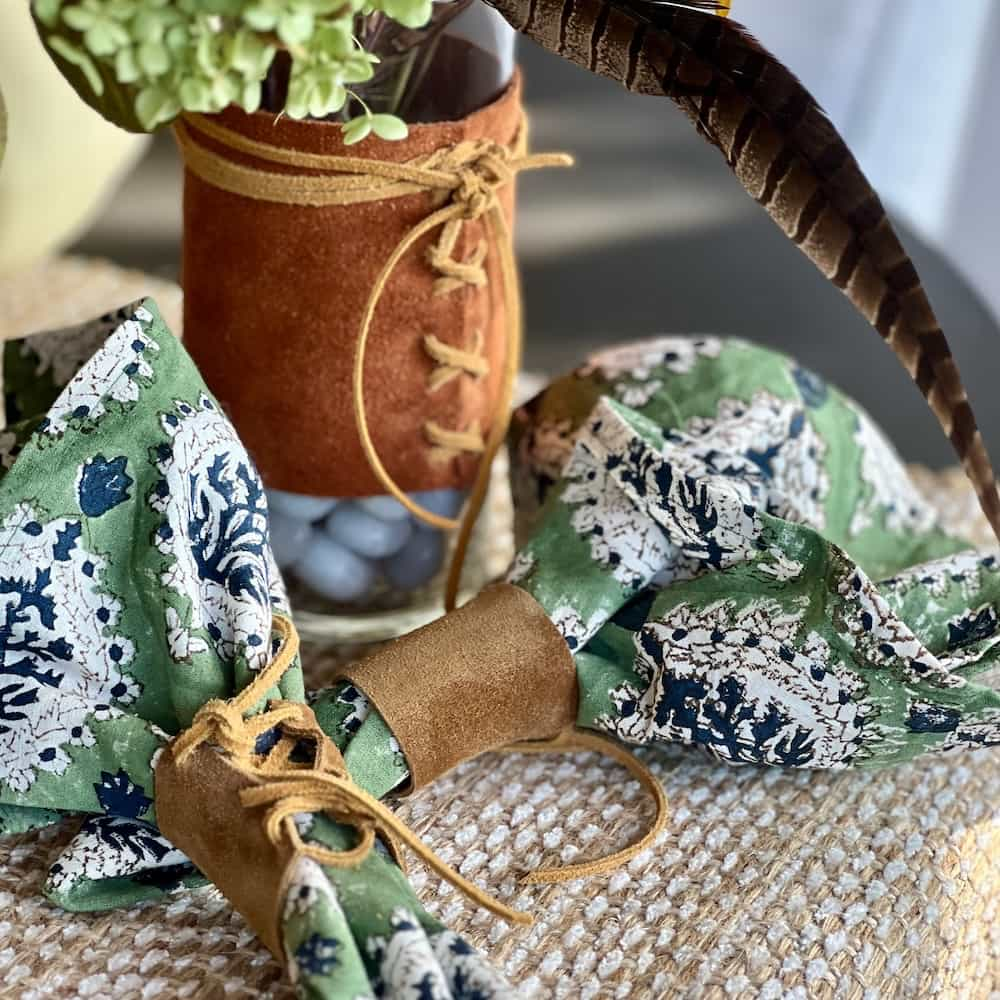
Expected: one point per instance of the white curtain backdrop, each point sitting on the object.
(915, 87)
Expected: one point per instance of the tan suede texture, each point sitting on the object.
(198, 810)
(273, 301)
(490, 674)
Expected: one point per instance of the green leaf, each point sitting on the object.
(296, 27)
(326, 97)
(409, 13)
(177, 39)
(357, 129)
(79, 18)
(105, 37)
(389, 127)
(196, 95)
(261, 17)
(154, 107)
(249, 55)
(78, 58)
(204, 53)
(109, 98)
(47, 10)
(299, 93)
(153, 58)
(334, 40)
(225, 91)
(126, 67)
(148, 26)
(250, 97)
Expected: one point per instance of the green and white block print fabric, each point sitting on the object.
(137, 583)
(136, 579)
(731, 549)
(740, 562)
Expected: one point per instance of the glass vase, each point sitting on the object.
(272, 298)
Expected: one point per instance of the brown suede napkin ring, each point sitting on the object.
(233, 810)
(492, 673)
(199, 808)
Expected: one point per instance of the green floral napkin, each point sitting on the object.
(731, 549)
(739, 561)
(137, 583)
(742, 563)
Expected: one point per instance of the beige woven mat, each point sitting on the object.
(70, 290)
(766, 885)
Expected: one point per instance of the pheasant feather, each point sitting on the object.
(789, 156)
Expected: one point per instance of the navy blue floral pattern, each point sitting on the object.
(62, 666)
(751, 685)
(317, 955)
(214, 530)
(739, 561)
(103, 484)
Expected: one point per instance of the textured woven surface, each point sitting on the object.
(69, 290)
(766, 885)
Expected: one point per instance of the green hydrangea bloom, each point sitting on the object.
(143, 62)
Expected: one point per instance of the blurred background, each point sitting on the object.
(651, 233)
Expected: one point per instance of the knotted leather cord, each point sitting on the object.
(453, 362)
(469, 177)
(324, 785)
(225, 722)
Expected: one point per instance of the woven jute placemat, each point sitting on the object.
(766, 885)
(69, 290)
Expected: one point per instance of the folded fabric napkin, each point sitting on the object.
(738, 561)
(137, 585)
(700, 569)
(743, 563)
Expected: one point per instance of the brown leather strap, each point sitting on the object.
(492, 673)
(292, 295)
(198, 809)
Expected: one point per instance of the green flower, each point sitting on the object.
(321, 75)
(143, 62)
(102, 24)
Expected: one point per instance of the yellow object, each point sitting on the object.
(469, 175)
(62, 158)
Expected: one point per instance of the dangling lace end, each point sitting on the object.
(573, 741)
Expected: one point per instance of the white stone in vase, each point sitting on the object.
(352, 526)
(334, 571)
